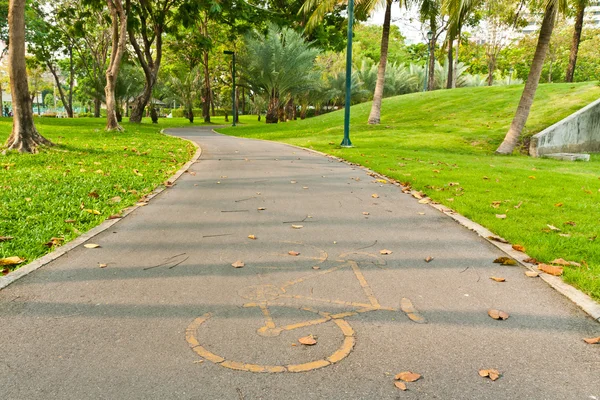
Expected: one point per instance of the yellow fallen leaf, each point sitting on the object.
(497, 314)
(518, 247)
(400, 385)
(428, 259)
(11, 261)
(497, 279)
(493, 374)
(293, 253)
(550, 269)
(501, 216)
(365, 213)
(424, 201)
(238, 264)
(375, 196)
(297, 226)
(532, 274)
(595, 340)
(307, 340)
(253, 237)
(91, 246)
(385, 252)
(102, 265)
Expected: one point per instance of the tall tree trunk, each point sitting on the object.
(119, 38)
(273, 110)
(65, 100)
(576, 40)
(516, 127)
(375, 115)
(207, 89)
(71, 80)
(450, 79)
(1, 102)
(491, 68)
(97, 107)
(455, 75)
(24, 137)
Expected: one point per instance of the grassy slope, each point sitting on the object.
(39, 192)
(455, 132)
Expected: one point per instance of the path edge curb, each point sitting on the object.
(580, 299)
(60, 251)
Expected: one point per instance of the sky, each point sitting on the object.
(406, 20)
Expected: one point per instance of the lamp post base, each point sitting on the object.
(346, 143)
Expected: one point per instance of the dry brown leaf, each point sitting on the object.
(11, 261)
(501, 216)
(102, 265)
(375, 196)
(518, 247)
(91, 246)
(316, 267)
(558, 205)
(115, 216)
(293, 253)
(497, 239)
(496, 204)
(532, 274)
(497, 314)
(238, 264)
(560, 261)
(424, 201)
(531, 261)
(365, 213)
(572, 223)
(297, 226)
(54, 242)
(407, 376)
(5, 238)
(385, 252)
(497, 279)
(307, 340)
(400, 385)
(519, 205)
(595, 340)
(550, 269)
(505, 261)
(493, 374)
(429, 259)
(93, 194)
(253, 237)
(261, 208)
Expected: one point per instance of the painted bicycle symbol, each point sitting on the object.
(266, 297)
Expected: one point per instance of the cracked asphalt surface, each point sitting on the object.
(72, 330)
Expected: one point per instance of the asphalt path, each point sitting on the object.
(171, 318)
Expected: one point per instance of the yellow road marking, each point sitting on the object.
(311, 276)
(343, 351)
(341, 302)
(365, 285)
(411, 312)
(309, 366)
(268, 319)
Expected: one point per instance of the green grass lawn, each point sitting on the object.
(90, 175)
(428, 140)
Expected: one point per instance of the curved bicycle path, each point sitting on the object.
(171, 318)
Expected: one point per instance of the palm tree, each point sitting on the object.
(277, 65)
(580, 6)
(24, 136)
(516, 127)
(320, 8)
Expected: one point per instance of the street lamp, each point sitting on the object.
(429, 37)
(346, 141)
(232, 53)
(510, 71)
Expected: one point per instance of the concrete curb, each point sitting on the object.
(40, 262)
(582, 300)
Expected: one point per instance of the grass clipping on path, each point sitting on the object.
(90, 175)
(442, 143)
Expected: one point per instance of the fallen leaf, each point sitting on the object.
(453, 184)
(496, 204)
(4, 271)
(238, 264)
(531, 261)
(518, 247)
(316, 267)
(54, 242)
(93, 194)
(400, 385)
(497, 314)
(497, 279)
(519, 205)
(116, 216)
(572, 223)
(116, 199)
(365, 213)
(493, 374)
(136, 172)
(595, 340)
(497, 239)
(501, 216)
(253, 237)
(424, 201)
(385, 252)
(429, 259)
(5, 238)
(564, 234)
(261, 208)
(407, 376)
(292, 181)
(168, 184)
(304, 187)
(375, 196)
(531, 177)
(91, 246)
(102, 265)
(532, 274)
(11, 260)
(560, 261)
(293, 253)
(297, 226)
(505, 261)
(382, 181)
(553, 228)
(550, 269)
(307, 340)
(558, 205)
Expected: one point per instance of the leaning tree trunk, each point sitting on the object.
(491, 68)
(119, 37)
(450, 79)
(273, 110)
(207, 89)
(24, 137)
(97, 106)
(575, 42)
(375, 115)
(516, 127)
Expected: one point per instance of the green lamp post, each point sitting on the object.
(346, 142)
(233, 114)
